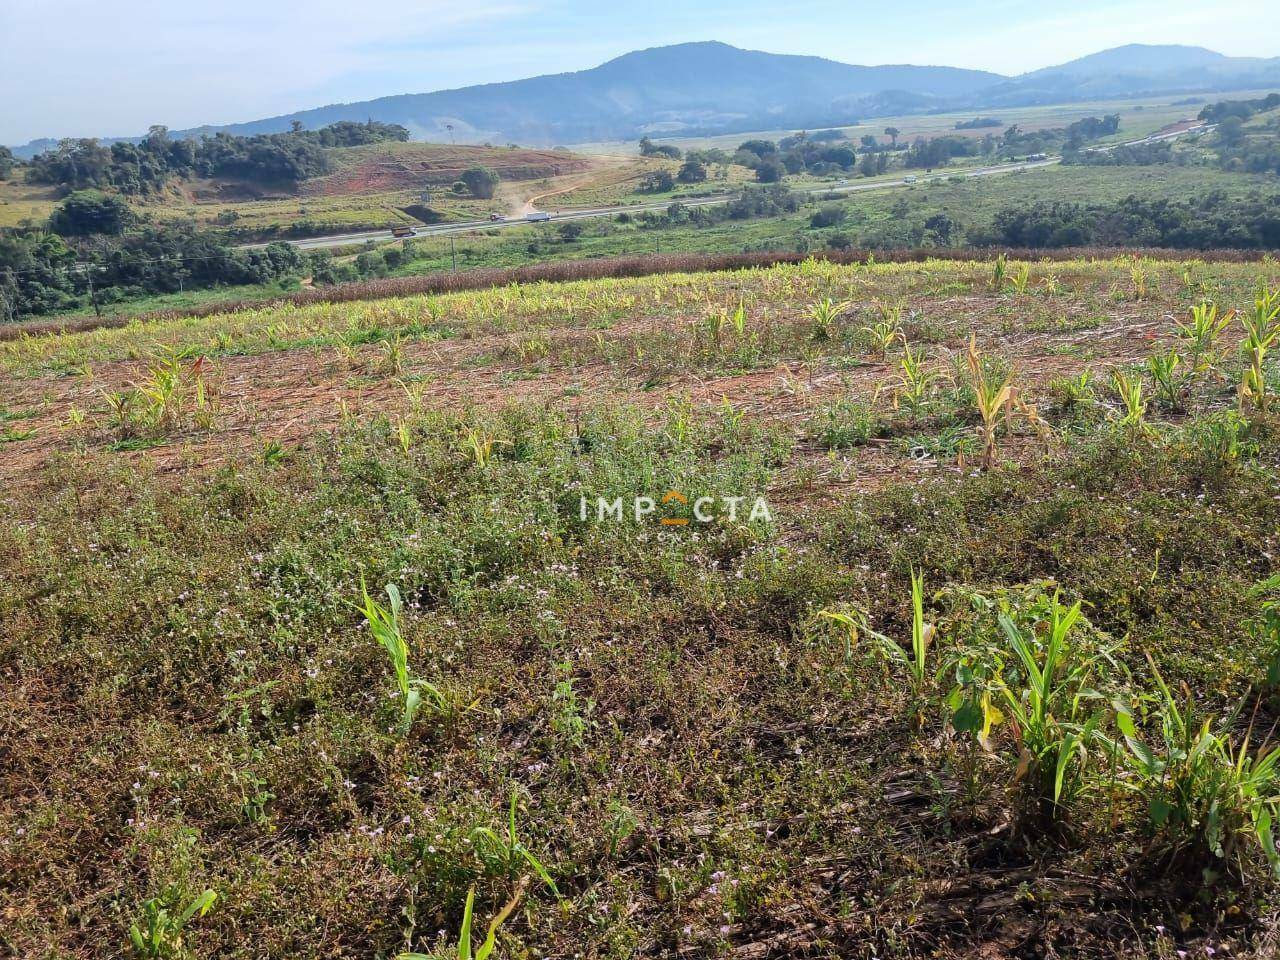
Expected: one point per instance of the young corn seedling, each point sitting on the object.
(122, 412)
(993, 393)
(887, 330)
(1128, 387)
(384, 624)
(914, 663)
(490, 943)
(1048, 709)
(1073, 393)
(393, 355)
(824, 314)
(404, 434)
(1199, 335)
(159, 935)
(164, 393)
(1206, 796)
(915, 382)
(999, 273)
(1021, 279)
(478, 445)
(1138, 277)
(1171, 385)
(1261, 328)
(507, 854)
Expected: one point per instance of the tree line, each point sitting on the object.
(1213, 221)
(95, 252)
(146, 166)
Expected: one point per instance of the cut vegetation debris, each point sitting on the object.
(311, 648)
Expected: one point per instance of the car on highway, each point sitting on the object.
(497, 218)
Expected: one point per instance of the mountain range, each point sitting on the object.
(706, 88)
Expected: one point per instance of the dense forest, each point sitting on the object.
(147, 165)
(1203, 223)
(42, 273)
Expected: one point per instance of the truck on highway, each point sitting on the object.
(402, 231)
(538, 216)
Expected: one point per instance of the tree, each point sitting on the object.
(659, 181)
(769, 170)
(691, 171)
(570, 231)
(6, 163)
(761, 148)
(942, 227)
(91, 211)
(1231, 131)
(828, 216)
(892, 134)
(650, 149)
(481, 181)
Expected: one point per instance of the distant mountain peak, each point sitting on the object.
(707, 87)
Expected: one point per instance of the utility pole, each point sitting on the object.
(453, 249)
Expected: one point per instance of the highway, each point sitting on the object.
(466, 226)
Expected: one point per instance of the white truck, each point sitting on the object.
(538, 216)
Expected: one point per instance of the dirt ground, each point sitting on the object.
(292, 396)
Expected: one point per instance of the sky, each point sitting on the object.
(114, 67)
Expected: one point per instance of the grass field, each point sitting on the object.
(630, 738)
(20, 201)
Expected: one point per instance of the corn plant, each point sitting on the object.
(1204, 794)
(404, 434)
(914, 663)
(885, 331)
(993, 395)
(384, 624)
(1073, 393)
(393, 355)
(1138, 278)
(478, 445)
(490, 942)
(507, 853)
(915, 381)
(163, 393)
(824, 314)
(273, 453)
(1170, 384)
(1048, 707)
(1261, 328)
(1021, 279)
(999, 273)
(122, 412)
(1221, 440)
(1128, 388)
(1199, 335)
(1051, 285)
(159, 933)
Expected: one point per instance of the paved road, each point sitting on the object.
(349, 239)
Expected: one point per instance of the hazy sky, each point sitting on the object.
(112, 67)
